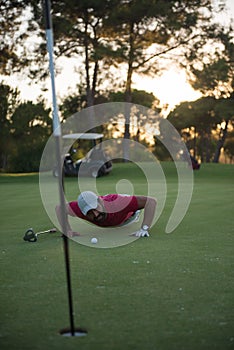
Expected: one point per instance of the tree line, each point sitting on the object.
(132, 36)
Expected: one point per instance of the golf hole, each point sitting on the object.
(78, 332)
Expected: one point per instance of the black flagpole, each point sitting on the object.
(57, 136)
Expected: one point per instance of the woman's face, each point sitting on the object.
(97, 215)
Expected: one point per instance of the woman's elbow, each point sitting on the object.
(152, 201)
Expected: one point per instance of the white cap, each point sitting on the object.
(87, 200)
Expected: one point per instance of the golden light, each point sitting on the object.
(171, 88)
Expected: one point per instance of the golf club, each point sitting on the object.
(31, 236)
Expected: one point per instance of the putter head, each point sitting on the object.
(30, 236)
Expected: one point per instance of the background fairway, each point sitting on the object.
(171, 291)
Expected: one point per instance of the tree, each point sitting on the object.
(224, 109)
(78, 33)
(14, 31)
(133, 33)
(73, 103)
(9, 100)
(31, 127)
(111, 32)
(137, 121)
(144, 31)
(229, 146)
(201, 123)
(210, 70)
(212, 73)
(25, 128)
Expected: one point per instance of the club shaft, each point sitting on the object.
(41, 232)
(47, 231)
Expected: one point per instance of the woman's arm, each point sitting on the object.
(68, 211)
(149, 205)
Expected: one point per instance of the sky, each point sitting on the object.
(171, 87)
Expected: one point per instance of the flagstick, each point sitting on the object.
(57, 136)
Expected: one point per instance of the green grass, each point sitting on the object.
(169, 292)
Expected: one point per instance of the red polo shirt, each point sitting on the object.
(118, 207)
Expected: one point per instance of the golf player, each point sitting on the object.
(110, 210)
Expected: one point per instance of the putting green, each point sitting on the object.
(167, 292)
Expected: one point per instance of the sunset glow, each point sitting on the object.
(171, 88)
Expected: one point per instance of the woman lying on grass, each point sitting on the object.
(110, 210)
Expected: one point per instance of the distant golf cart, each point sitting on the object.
(195, 164)
(95, 164)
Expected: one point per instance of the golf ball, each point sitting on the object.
(94, 240)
